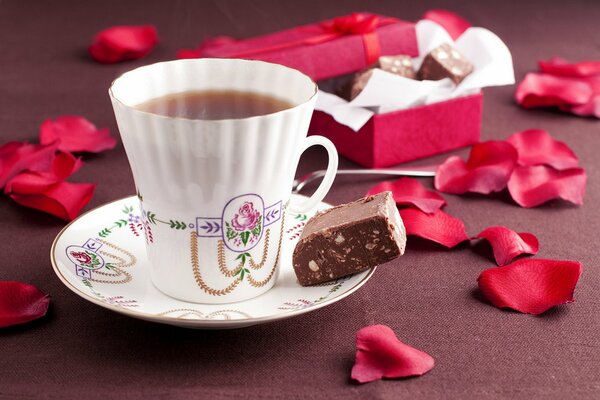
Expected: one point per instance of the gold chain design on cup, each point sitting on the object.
(239, 270)
(221, 261)
(258, 266)
(233, 272)
(262, 283)
(198, 277)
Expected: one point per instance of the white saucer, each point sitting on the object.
(123, 283)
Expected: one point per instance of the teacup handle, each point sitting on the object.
(327, 181)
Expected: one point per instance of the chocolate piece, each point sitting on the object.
(399, 65)
(349, 238)
(445, 62)
(356, 85)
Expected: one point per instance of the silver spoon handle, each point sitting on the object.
(424, 171)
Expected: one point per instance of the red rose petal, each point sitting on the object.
(30, 183)
(438, 227)
(379, 354)
(120, 43)
(532, 186)
(76, 134)
(541, 90)
(409, 191)
(63, 166)
(207, 43)
(508, 244)
(593, 82)
(560, 67)
(188, 53)
(104, 54)
(453, 23)
(64, 199)
(16, 157)
(487, 170)
(20, 303)
(536, 146)
(591, 108)
(530, 285)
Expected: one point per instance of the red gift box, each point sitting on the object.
(326, 49)
(406, 135)
(348, 44)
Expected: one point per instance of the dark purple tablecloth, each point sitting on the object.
(429, 296)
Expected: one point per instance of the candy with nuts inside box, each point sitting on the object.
(394, 112)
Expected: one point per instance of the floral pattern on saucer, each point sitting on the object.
(115, 274)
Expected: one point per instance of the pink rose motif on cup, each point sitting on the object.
(245, 227)
(246, 219)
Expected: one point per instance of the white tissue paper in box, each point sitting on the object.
(387, 92)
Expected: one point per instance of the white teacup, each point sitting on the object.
(214, 193)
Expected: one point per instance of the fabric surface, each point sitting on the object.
(429, 297)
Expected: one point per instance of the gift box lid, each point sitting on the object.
(322, 50)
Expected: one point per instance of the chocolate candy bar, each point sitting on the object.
(445, 62)
(349, 238)
(356, 85)
(399, 65)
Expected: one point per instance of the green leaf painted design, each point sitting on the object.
(117, 224)
(230, 233)
(177, 224)
(104, 232)
(245, 236)
(151, 217)
(301, 217)
(243, 272)
(94, 260)
(243, 257)
(331, 291)
(256, 230)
